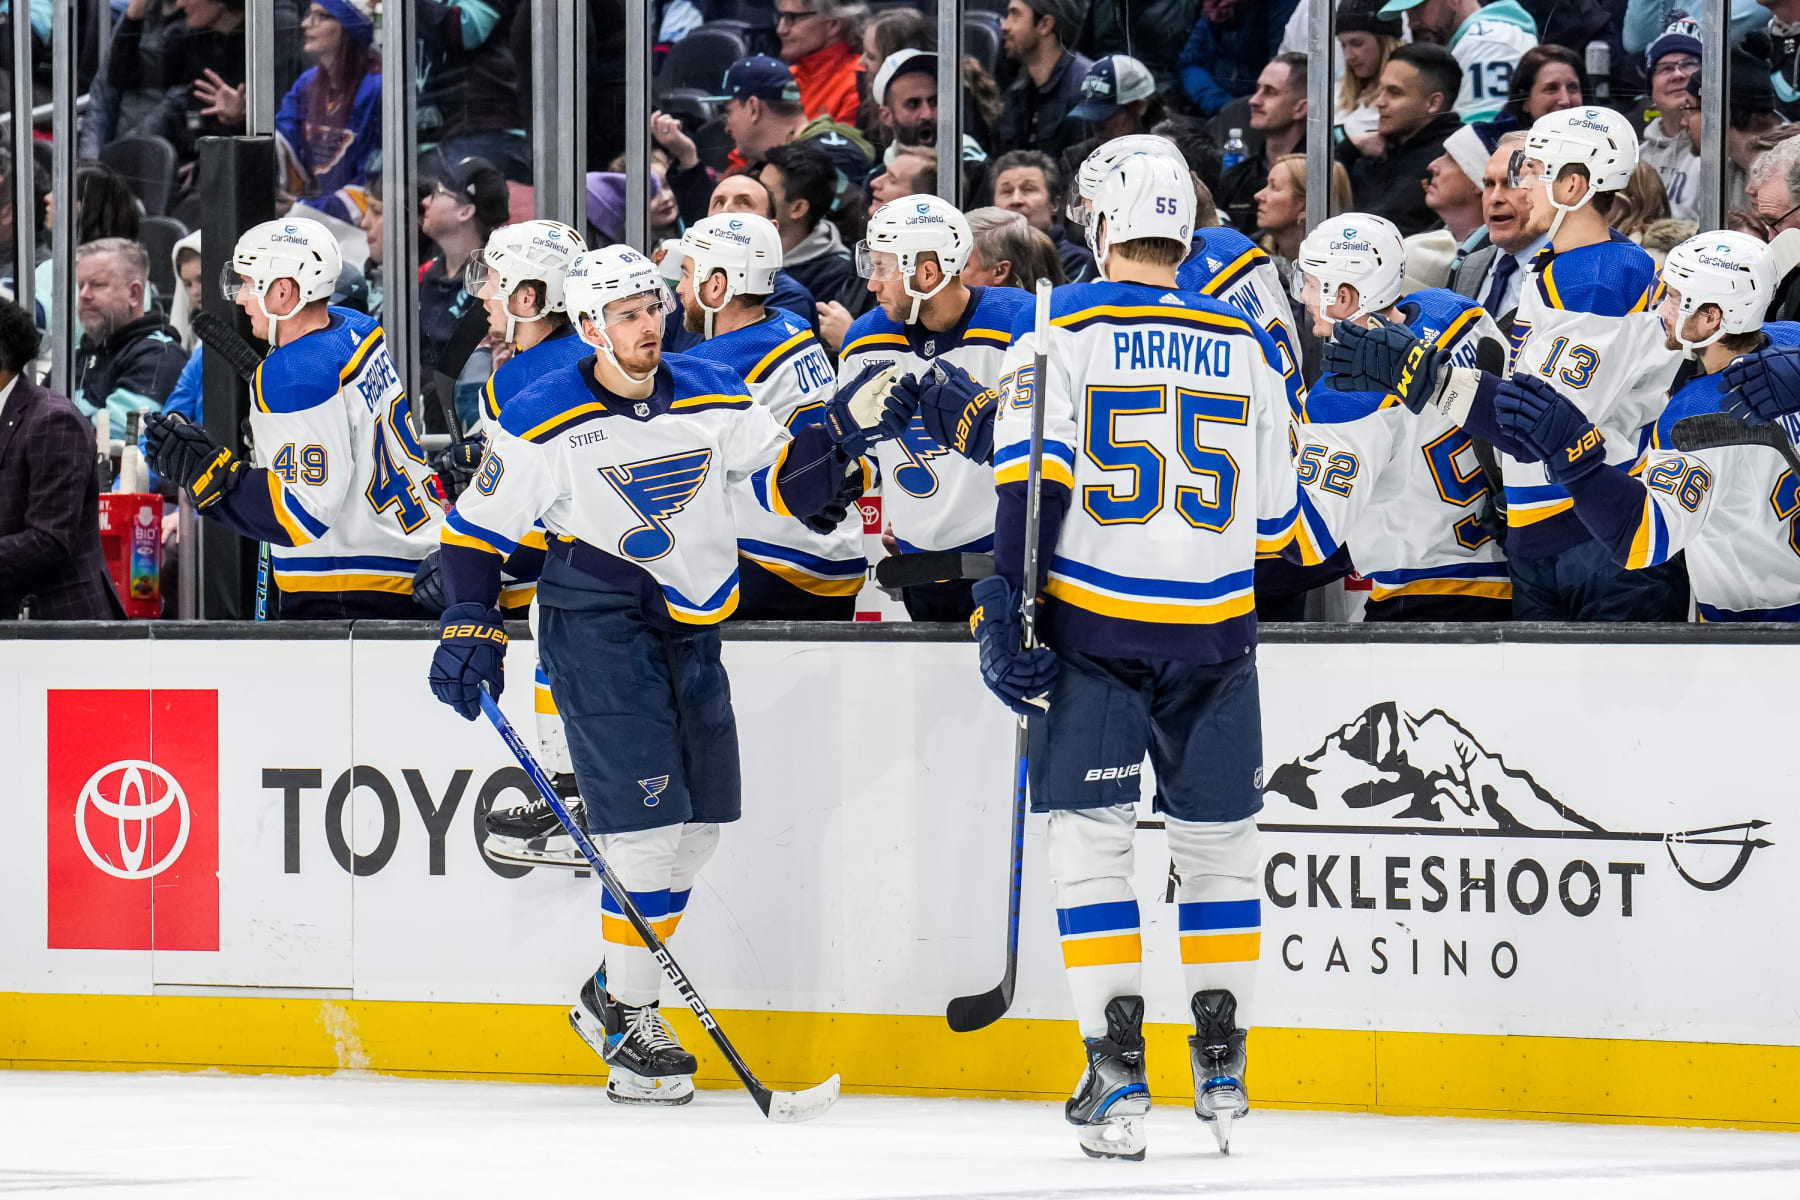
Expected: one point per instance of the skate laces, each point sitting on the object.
(648, 1028)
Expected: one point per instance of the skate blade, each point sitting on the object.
(1117, 1137)
(628, 1087)
(514, 852)
(1221, 1108)
(588, 1030)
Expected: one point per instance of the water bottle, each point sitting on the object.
(1234, 149)
(1599, 69)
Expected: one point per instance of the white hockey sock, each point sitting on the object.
(1220, 907)
(1096, 910)
(696, 846)
(644, 861)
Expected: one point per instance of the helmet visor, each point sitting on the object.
(478, 276)
(643, 307)
(1523, 171)
(231, 283)
(878, 265)
(1307, 288)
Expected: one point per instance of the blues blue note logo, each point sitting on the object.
(653, 789)
(916, 476)
(656, 489)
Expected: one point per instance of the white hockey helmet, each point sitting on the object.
(1730, 269)
(908, 227)
(1143, 197)
(599, 277)
(1359, 249)
(742, 245)
(529, 252)
(1099, 164)
(1598, 139)
(299, 249)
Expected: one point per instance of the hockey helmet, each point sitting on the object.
(1100, 163)
(1359, 249)
(1143, 197)
(597, 278)
(299, 249)
(744, 246)
(1598, 139)
(908, 227)
(1729, 269)
(529, 252)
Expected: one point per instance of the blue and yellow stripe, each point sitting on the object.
(1650, 541)
(1012, 464)
(301, 525)
(460, 531)
(1487, 580)
(1100, 935)
(774, 358)
(1220, 931)
(1527, 505)
(874, 339)
(808, 572)
(1160, 601)
(1130, 313)
(654, 907)
(350, 573)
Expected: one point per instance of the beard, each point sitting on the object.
(693, 318)
(923, 133)
(638, 362)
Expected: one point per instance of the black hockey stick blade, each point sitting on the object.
(785, 1107)
(966, 1014)
(465, 338)
(931, 566)
(224, 341)
(1704, 431)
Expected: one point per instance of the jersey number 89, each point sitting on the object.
(1208, 504)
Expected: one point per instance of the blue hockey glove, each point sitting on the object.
(957, 412)
(868, 409)
(1540, 420)
(1387, 358)
(471, 652)
(1764, 386)
(428, 586)
(1020, 677)
(827, 519)
(185, 453)
(458, 462)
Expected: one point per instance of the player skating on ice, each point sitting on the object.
(337, 479)
(1165, 469)
(1404, 490)
(627, 459)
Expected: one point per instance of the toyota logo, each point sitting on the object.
(126, 792)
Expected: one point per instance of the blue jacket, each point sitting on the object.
(1219, 65)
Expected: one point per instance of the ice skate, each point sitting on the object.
(530, 835)
(648, 1064)
(1220, 1097)
(1110, 1102)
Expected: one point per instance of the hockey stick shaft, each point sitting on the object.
(224, 341)
(1706, 431)
(931, 566)
(787, 1106)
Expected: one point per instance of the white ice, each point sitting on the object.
(208, 1135)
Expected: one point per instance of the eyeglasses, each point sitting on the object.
(793, 18)
(1679, 66)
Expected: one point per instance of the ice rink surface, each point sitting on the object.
(142, 1136)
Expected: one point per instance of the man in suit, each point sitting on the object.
(1490, 274)
(50, 559)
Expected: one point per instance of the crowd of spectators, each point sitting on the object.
(830, 112)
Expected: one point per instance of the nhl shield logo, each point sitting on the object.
(653, 789)
(641, 409)
(930, 347)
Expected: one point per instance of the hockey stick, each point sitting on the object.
(969, 1013)
(466, 337)
(786, 1107)
(224, 341)
(1704, 431)
(931, 566)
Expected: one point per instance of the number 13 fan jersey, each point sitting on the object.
(1166, 420)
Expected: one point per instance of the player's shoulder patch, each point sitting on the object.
(312, 370)
(873, 333)
(548, 404)
(700, 384)
(1611, 279)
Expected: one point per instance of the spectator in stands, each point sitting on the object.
(1487, 41)
(35, 222)
(1281, 207)
(820, 40)
(1366, 39)
(1230, 45)
(1038, 38)
(1009, 251)
(184, 256)
(1517, 228)
(1278, 111)
(1418, 87)
(1029, 183)
(1774, 186)
(1156, 32)
(50, 558)
(329, 128)
(1205, 161)
(127, 360)
(892, 31)
(689, 181)
(803, 185)
(203, 80)
(1645, 20)
(912, 170)
(1641, 203)
(1118, 97)
(1750, 111)
(466, 200)
(1453, 193)
(1548, 79)
(742, 191)
(905, 92)
(762, 110)
(469, 102)
(1674, 58)
(373, 230)
(129, 90)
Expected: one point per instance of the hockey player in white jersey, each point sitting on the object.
(337, 481)
(929, 330)
(788, 571)
(1166, 470)
(626, 458)
(1732, 507)
(1586, 327)
(1402, 489)
(1487, 41)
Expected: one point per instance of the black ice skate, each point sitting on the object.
(1220, 1097)
(531, 836)
(648, 1064)
(1112, 1098)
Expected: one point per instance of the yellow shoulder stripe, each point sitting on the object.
(770, 359)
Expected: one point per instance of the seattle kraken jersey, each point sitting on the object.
(936, 500)
(1166, 428)
(1586, 325)
(790, 374)
(561, 349)
(341, 496)
(633, 492)
(1403, 489)
(1732, 508)
(1487, 50)
(1228, 266)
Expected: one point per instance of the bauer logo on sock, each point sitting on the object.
(653, 789)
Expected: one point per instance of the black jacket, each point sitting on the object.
(50, 511)
(143, 359)
(1037, 118)
(1393, 185)
(1077, 263)
(1236, 193)
(833, 277)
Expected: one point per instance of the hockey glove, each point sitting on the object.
(471, 652)
(868, 409)
(457, 463)
(827, 519)
(1541, 421)
(1021, 678)
(181, 451)
(1764, 386)
(428, 586)
(957, 412)
(1386, 358)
